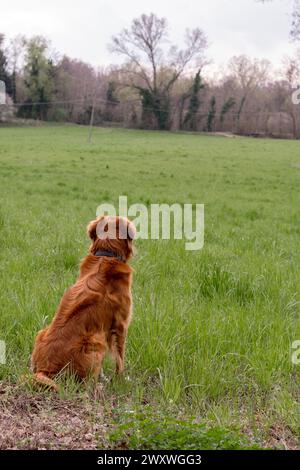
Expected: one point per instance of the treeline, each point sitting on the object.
(154, 88)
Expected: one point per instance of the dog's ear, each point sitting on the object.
(92, 229)
(127, 230)
(131, 230)
(96, 227)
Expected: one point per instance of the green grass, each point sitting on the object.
(212, 330)
(147, 429)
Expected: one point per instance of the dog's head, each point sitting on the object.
(112, 233)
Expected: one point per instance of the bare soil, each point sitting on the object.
(41, 421)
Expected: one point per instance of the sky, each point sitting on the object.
(83, 28)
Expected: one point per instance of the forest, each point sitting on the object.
(157, 85)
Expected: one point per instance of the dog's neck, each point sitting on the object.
(109, 254)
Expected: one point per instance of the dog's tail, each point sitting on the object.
(42, 379)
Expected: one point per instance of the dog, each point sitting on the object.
(94, 314)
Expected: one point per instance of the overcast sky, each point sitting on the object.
(82, 28)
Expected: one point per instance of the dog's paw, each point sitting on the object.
(103, 378)
(98, 392)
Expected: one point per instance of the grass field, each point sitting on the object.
(212, 330)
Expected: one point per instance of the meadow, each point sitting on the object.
(211, 336)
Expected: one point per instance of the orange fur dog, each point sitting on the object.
(94, 314)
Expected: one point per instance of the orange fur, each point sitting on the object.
(93, 315)
(42, 379)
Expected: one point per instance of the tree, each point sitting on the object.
(211, 114)
(77, 85)
(151, 70)
(16, 49)
(249, 75)
(111, 100)
(291, 74)
(227, 106)
(38, 78)
(295, 32)
(4, 74)
(295, 28)
(190, 119)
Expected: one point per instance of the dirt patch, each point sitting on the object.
(38, 421)
(280, 436)
(224, 134)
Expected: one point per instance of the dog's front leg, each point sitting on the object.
(121, 340)
(118, 341)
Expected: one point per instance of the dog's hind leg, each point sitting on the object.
(88, 358)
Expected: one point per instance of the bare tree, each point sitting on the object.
(16, 50)
(249, 75)
(295, 28)
(295, 32)
(291, 74)
(152, 70)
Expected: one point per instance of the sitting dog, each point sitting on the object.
(94, 314)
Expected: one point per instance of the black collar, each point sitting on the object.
(109, 254)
